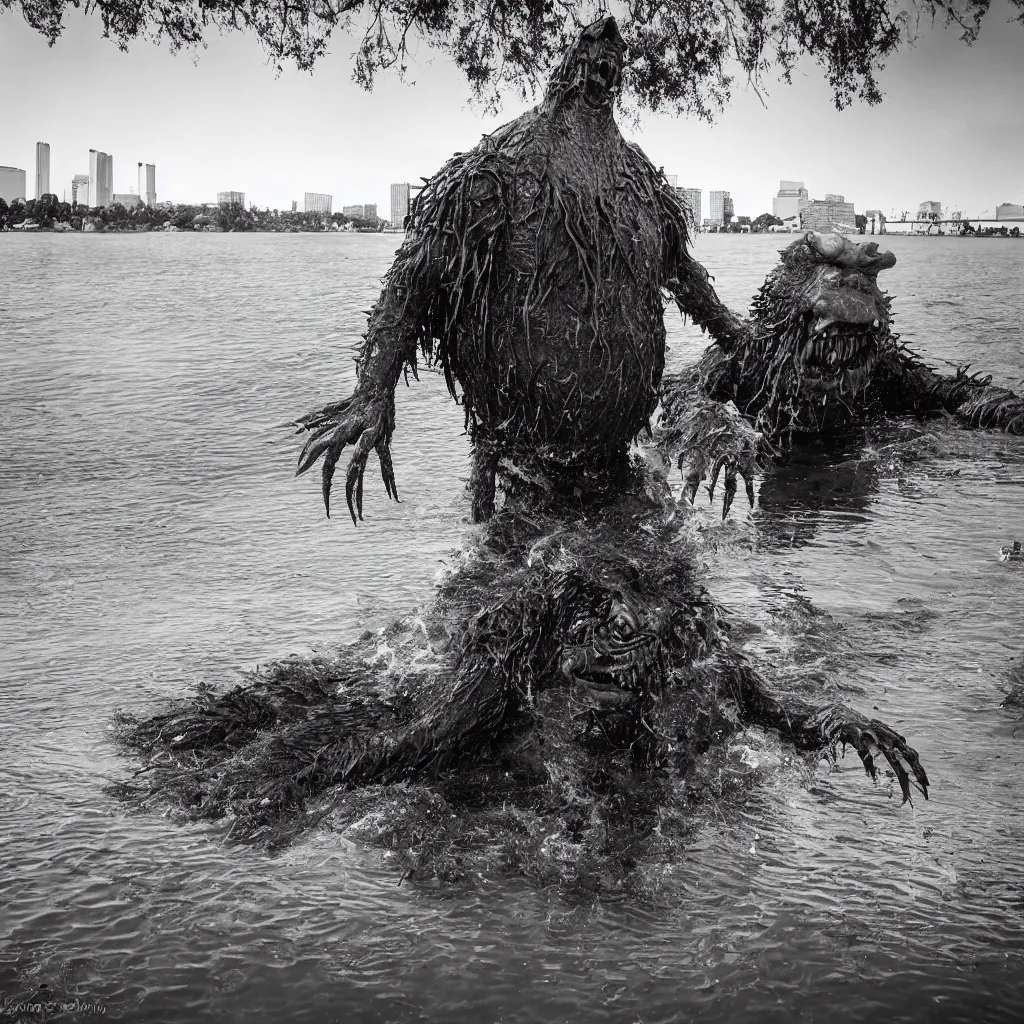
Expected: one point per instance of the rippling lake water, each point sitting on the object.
(152, 536)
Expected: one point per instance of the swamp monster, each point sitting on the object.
(532, 273)
(570, 697)
(820, 357)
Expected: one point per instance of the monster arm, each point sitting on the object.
(456, 211)
(971, 398)
(704, 430)
(809, 727)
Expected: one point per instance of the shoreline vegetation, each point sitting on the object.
(54, 215)
(51, 214)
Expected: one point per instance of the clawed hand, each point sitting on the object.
(870, 737)
(717, 437)
(367, 421)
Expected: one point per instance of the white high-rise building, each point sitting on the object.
(80, 189)
(399, 204)
(791, 199)
(12, 184)
(692, 198)
(721, 204)
(317, 202)
(147, 183)
(42, 169)
(231, 197)
(101, 178)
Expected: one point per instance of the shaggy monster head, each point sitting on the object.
(591, 70)
(820, 316)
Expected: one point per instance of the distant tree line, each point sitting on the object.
(51, 213)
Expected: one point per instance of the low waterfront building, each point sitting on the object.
(127, 199)
(317, 202)
(1009, 211)
(833, 213)
(42, 169)
(12, 184)
(353, 211)
(929, 211)
(231, 197)
(876, 222)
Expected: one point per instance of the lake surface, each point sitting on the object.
(152, 536)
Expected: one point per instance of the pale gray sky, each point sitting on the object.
(951, 127)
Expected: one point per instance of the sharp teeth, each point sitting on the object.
(875, 324)
(808, 351)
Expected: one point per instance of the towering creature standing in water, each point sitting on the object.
(533, 273)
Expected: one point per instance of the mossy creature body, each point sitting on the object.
(533, 272)
(820, 357)
(572, 691)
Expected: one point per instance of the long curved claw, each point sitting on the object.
(869, 737)
(730, 489)
(716, 471)
(361, 420)
(354, 477)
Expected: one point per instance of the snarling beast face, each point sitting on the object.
(820, 317)
(591, 70)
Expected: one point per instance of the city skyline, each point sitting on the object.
(946, 131)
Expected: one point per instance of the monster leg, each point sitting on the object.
(481, 480)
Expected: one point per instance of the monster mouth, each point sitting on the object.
(835, 347)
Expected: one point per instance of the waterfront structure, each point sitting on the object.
(126, 199)
(692, 198)
(12, 184)
(1009, 211)
(80, 189)
(231, 197)
(356, 212)
(295, 206)
(787, 203)
(929, 211)
(399, 203)
(317, 202)
(876, 221)
(42, 169)
(833, 213)
(147, 183)
(101, 177)
(370, 211)
(721, 208)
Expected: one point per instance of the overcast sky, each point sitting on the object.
(951, 126)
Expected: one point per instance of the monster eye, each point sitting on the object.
(622, 627)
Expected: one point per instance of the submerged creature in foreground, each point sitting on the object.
(532, 273)
(571, 680)
(820, 356)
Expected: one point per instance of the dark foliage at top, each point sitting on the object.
(683, 54)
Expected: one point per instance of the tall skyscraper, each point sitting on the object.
(317, 202)
(12, 184)
(147, 183)
(101, 178)
(399, 204)
(80, 189)
(692, 198)
(231, 197)
(42, 169)
(721, 204)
